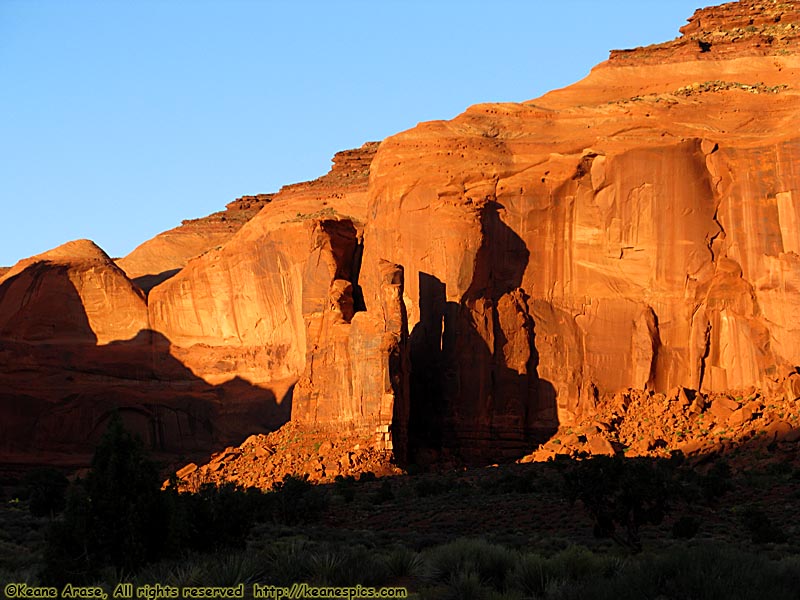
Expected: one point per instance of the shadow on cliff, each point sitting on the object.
(475, 394)
(151, 280)
(59, 388)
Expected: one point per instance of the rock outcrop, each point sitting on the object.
(76, 345)
(635, 230)
(73, 294)
(161, 257)
(79, 339)
(698, 425)
(464, 289)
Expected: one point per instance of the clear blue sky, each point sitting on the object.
(118, 119)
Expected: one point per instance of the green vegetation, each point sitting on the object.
(600, 528)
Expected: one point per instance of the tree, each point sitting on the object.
(621, 495)
(116, 517)
(47, 489)
(129, 519)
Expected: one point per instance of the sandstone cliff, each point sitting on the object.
(634, 230)
(78, 339)
(463, 289)
(76, 344)
(159, 258)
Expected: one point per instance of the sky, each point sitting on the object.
(119, 119)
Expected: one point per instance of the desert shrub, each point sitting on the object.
(213, 518)
(189, 570)
(288, 561)
(760, 527)
(577, 563)
(493, 564)
(511, 483)
(295, 500)
(345, 487)
(344, 565)
(531, 575)
(402, 562)
(717, 481)
(117, 518)
(232, 568)
(431, 486)
(621, 495)
(463, 585)
(46, 488)
(685, 528)
(537, 576)
(383, 494)
(702, 572)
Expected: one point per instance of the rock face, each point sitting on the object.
(464, 288)
(282, 302)
(635, 230)
(72, 294)
(211, 355)
(646, 423)
(76, 344)
(160, 258)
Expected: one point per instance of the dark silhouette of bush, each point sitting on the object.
(47, 489)
(760, 527)
(685, 528)
(717, 481)
(129, 518)
(621, 495)
(512, 483)
(116, 518)
(345, 487)
(214, 518)
(295, 500)
(431, 486)
(383, 494)
(68, 555)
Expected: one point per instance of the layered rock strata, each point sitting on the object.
(161, 257)
(465, 288)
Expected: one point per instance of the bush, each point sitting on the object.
(622, 494)
(685, 528)
(402, 562)
(345, 487)
(493, 564)
(344, 565)
(384, 493)
(116, 519)
(717, 481)
(47, 488)
(511, 483)
(760, 527)
(296, 500)
(215, 517)
(431, 486)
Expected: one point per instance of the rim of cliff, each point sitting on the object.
(730, 30)
(749, 45)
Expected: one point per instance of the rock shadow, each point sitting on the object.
(475, 394)
(59, 388)
(151, 280)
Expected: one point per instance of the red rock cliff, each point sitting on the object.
(637, 229)
(467, 286)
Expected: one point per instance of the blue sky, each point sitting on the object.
(120, 119)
